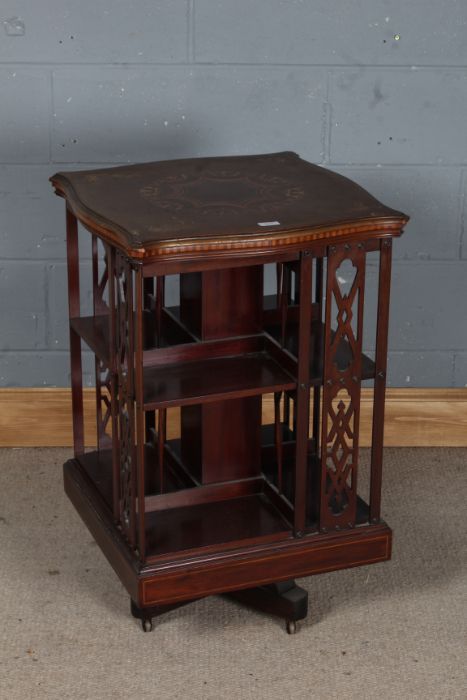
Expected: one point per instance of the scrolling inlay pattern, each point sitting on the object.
(220, 192)
(341, 394)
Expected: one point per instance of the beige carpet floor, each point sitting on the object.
(393, 630)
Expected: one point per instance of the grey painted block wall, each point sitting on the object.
(374, 89)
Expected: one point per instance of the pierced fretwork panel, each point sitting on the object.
(103, 405)
(100, 276)
(126, 418)
(341, 393)
(340, 463)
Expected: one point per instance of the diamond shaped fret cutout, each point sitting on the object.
(344, 316)
(345, 294)
(345, 276)
(104, 413)
(340, 454)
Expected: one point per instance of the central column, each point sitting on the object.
(221, 441)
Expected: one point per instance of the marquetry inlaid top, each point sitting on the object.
(226, 203)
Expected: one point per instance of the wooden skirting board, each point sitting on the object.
(414, 417)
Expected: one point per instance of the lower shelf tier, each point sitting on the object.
(233, 522)
(188, 516)
(196, 574)
(195, 522)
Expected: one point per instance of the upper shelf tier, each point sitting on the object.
(218, 378)
(343, 352)
(95, 331)
(227, 204)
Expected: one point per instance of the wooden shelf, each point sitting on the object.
(98, 467)
(214, 379)
(209, 521)
(95, 332)
(269, 470)
(343, 355)
(249, 520)
(272, 327)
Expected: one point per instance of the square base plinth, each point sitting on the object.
(198, 573)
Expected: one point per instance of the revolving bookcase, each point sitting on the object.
(227, 418)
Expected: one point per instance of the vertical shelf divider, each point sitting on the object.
(75, 340)
(384, 286)
(110, 251)
(137, 358)
(303, 393)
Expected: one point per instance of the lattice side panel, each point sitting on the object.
(126, 415)
(103, 374)
(100, 283)
(104, 405)
(341, 392)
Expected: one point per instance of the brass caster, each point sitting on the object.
(291, 626)
(147, 625)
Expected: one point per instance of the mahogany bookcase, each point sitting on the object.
(195, 488)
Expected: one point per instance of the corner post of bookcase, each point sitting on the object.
(317, 389)
(112, 275)
(140, 413)
(303, 393)
(384, 285)
(75, 340)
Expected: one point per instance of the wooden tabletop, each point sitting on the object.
(224, 203)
